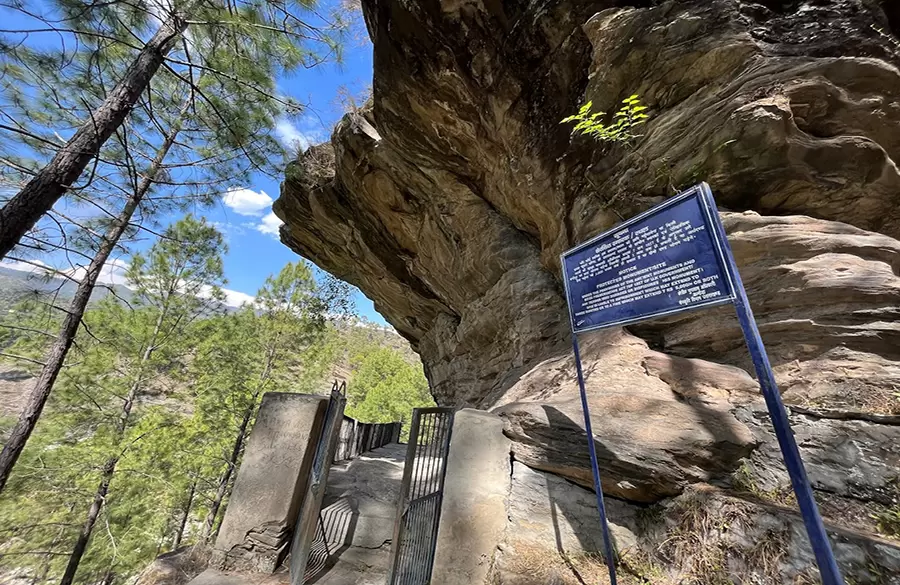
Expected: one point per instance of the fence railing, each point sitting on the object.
(357, 438)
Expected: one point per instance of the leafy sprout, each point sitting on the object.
(621, 127)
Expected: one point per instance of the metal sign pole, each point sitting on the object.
(598, 489)
(673, 258)
(815, 528)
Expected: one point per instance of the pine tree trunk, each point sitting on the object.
(93, 513)
(23, 211)
(226, 476)
(110, 468)
(184, 517)
(228, 491)
(57, 355)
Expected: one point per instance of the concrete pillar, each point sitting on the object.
(476, 488)
(270, 484)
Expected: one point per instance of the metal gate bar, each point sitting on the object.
(311, 507)
(421, 494)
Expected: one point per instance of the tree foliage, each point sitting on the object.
(157, 398)
(172, 103)
(385, 387)
(74, 75)
(151, 412)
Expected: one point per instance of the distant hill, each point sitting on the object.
(18, 285)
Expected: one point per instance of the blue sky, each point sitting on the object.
(245, 215)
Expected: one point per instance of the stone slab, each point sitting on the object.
(473, 513)
(264, 504)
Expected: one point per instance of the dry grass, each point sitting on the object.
(767, 553)
(694, 543)
(868, 400)
(539, 565)
(314, 167)
(701, 543)
(645, 568)
(743, 481)
(808, 577)
(888, 522)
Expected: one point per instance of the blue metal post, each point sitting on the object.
(598, 489)
(815, 528)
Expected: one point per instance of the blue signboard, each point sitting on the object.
(662, 262)
(673, 258)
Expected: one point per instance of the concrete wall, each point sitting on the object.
(270, 483)
(473, 514)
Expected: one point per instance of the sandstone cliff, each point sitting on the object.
(449, 200)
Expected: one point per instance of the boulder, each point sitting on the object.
(175, 568)
(656, 429)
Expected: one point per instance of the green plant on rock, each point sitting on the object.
(622, 127)
(888, 522)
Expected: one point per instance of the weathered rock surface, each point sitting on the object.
(656, 429)
(175, 568)
(701, 536)
(451, 198)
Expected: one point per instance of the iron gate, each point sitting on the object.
(318, 479)
(419, 506)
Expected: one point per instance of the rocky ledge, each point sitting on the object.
(449, 199)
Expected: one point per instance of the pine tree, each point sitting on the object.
(282, 344)
(191, 154)
(164, 449)
(385, 387)
(230, 51)
(176, 283)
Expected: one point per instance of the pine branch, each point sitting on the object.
(21, 358)
(28, 329)
(45, 268)
(218, 114)
(72, 31)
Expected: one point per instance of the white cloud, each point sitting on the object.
(247, 201)
(289, 135)
(269, 224)
(233, 298)
(113, 272)
(310, 132)
(228, 228)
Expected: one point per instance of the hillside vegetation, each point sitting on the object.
(136, 451)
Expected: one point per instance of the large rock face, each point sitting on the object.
(449, 201)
